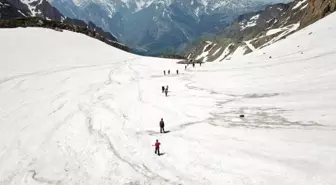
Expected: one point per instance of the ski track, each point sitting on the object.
(85, 108)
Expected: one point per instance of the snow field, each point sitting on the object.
(76, 111)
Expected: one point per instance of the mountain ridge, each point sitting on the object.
(20, 13)
(255, 30)
(160, 25)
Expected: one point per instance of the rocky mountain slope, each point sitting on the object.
(20, 13)
(318, 9)
(8, 11)
(258, 29)
(31, 8)
(160, 25)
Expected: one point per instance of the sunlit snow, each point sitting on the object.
(299, 4)
(76, 111)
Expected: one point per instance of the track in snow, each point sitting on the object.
(80, 118)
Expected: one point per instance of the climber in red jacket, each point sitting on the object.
(157, 147)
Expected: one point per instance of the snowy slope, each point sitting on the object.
(80, 112)
(256, 30)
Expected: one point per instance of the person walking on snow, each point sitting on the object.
(163, 89)
(169, 71)
(177, 72)
(166, 91)
(162, 126)
(157, 147)
(164, 72)
(185, 67)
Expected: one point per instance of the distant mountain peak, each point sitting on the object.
(157, 25)
(255, 30)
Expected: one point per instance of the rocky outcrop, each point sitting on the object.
(9, 11)
(37, 8)
(259, 29)
(253, 31)
(92, 27)
(19, 13)
(59, 26)
(317, 9)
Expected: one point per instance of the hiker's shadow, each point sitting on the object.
(162, 154)
(165, 132)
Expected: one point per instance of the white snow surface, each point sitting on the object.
(299, 4)
(274, 31)
(303, 7)
(285, 31)
(32, 8)
(204, 53)
(76, 111)
(239, 52)
(252, 22)
(224, 54)
(217, 51)
(248, 44)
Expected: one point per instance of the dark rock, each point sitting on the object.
(254, 27)
(14, 13)
(317, 9)
(55, 25)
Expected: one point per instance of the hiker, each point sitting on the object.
(157, 147)
(162, 126)
(177, 72)
(166, 91)
(169, 71)
(200, 63)
(193, 64)
(163, 89)
(185, 67)
(164, 72)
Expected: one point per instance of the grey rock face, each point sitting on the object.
(158, 25)
(9, 11)
(14, 9)
(254, 30)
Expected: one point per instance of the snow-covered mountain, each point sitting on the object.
(89, 113)
(156, 25)
(256, 30)
(36, 8)
(32, 13)
(9, 11)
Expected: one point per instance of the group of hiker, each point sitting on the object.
(168, 71)
(165, 90)
(157, 143)
(161, 123)
(193, 64)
